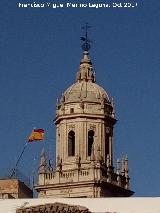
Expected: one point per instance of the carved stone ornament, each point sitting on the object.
(78, 77)
(108, 130)
(53, 208)
(82, 104)
(62, 107)
(92, 127)
(71, 127)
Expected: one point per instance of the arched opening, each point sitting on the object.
(107, 144)
(72, 110)
(90, 141)
(71, 143)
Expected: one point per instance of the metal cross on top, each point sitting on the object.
(86, 45)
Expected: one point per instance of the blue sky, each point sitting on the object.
(40, 51)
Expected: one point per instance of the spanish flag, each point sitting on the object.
(36, 135)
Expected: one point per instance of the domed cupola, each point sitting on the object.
(85, 88)
(85, 92)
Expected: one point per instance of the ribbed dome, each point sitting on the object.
(85, 91)
(85, 88)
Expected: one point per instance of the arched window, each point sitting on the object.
(71, 110)
(71, 143)
(90, 141)
(106, 144)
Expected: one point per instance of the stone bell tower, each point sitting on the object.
(84, 122)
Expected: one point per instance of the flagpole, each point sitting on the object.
(13, 172)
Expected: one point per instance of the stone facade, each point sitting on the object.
(85, 120)
(53, 208)
(13, 188)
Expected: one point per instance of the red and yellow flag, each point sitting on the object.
(36, 135)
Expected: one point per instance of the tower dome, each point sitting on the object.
(85, 89)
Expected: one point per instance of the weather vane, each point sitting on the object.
(86, 45)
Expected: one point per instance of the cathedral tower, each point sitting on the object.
(84, 122)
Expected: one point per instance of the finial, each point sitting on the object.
(113, 105)
(126, 163)
(86, 45)
(43, 162)
(118, 166)
(123, 165)
(108, 160)
(57, 103)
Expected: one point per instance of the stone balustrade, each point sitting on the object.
(93, 173)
